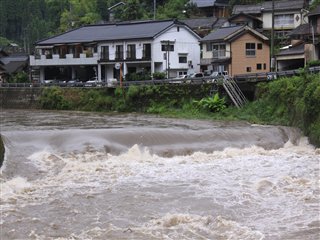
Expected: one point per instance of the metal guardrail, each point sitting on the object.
(197, 81)
(256, 77)
(107, 84)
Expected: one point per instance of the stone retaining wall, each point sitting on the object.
(20, 98)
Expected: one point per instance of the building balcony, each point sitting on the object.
(67, 59)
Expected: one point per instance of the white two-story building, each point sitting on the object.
(102, 51)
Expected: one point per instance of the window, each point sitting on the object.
(284, 20)
(259, 66)
(259, 46)
(119, 52)
(146, 52)
(182, 58)
(248, 69)
(131, 51)
(167, 47)
(219, 50)
(264, 66)
(250, 49)
(180, 73)
(104, 52)
(209, 47)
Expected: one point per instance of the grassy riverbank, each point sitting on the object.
(291, 101)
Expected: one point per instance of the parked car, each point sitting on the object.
(74, 83)
(197, 75)
(93, 82)
(50, 82)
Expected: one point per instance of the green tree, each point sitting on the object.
(80, 12)
(132, 10)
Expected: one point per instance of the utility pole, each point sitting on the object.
(272, 63)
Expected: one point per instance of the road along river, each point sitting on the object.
(78, 175)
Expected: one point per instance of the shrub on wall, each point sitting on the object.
(52, 98)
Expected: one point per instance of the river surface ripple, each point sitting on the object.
(79, 175)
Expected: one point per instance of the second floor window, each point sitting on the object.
(250, 49)
(284, 20)
(131, 51)
(182, 58)
(146, 54)
(119, 52)
(167, 47)
(219, 50)
(105, 52)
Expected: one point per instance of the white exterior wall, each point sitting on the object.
(69, 60)
(205, 53)
(112, 47)
(267, 20)
(184, 43)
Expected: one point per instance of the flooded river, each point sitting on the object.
(76, 175)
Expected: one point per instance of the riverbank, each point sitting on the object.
(291, 101)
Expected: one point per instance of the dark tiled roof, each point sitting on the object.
(248, 9)
(298, 49)
(315, 12)
(245, 15)
(301, 30)
(14, 62)
(13, 67)
(109, 32)
(219, 23)
(283, 5)
(221, 33)
(194, 23)
(211, 23)
(267, 6)
(210, 3)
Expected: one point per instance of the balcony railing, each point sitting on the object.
(219, 53)
(131, 55)
(119, 55)
(67, 59)
(146, 55)
(104, 56)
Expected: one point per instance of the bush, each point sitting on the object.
(20, 77)
(212, 104)
(159, 75)
(52, 98)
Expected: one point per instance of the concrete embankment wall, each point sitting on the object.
(20, 98)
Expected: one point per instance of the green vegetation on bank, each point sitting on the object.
(291, 101)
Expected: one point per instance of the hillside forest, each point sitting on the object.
(26, 21)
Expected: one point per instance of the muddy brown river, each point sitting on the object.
(80, 175)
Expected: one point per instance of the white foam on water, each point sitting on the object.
(177, 226)
(231, 194)
(14, 187)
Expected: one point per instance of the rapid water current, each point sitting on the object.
(77, 175)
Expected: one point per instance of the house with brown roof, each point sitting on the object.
(305, 44)
(236, 49)
(288, 15)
